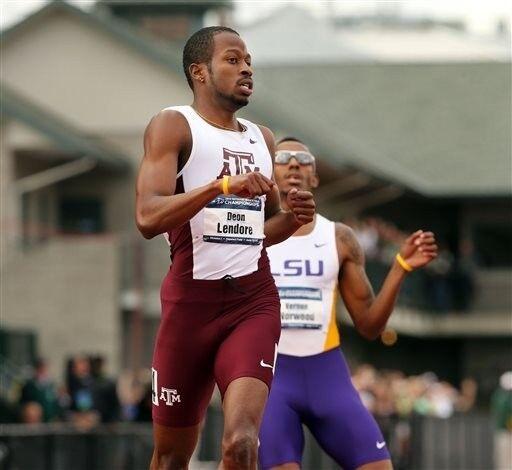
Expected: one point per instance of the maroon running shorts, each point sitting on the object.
(211, 331)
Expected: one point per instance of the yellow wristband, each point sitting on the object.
(404, 263)
(225, 184)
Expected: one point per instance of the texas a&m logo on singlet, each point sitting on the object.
(234, 220)
(241, 162)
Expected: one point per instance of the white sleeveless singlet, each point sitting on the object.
(225, 237)
(305, 269)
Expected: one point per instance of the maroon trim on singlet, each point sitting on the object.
(182, 253)
(263, 262)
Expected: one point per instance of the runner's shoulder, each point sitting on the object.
(347, 242)
(169, 127)
(266, 131)
(168, 120)
(344, 233)
(269, 137)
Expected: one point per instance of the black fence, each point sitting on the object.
(63, 447)
(462, 442)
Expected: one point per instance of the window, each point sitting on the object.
(493, 245)
(81, 216)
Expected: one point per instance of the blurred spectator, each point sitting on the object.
(501, 407)
(442, 396)
(384, 400)
(467, 398)
(40, 389)
(79, 383)
(32, 413)
(80, 386)
(418, 386)
(104, 392)
(144, 406)
(378, 238)
(132, 387)
(364, 380)
(367, 235)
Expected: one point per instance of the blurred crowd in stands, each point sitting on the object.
(394, 398)
(88, 397)
(446, 284)
(391, 393)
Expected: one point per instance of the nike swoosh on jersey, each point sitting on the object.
(380, 445)
(318, 245)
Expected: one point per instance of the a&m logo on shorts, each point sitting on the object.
(169, 396)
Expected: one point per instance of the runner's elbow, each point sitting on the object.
(369, 335)
(146, 232)
(368, 331)
(146, 226)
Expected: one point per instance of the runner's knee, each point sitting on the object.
(170, 460)
(239, 448)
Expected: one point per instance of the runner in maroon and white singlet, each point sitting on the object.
(206, 183)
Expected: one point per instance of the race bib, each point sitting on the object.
(301, 307)
(234, 220)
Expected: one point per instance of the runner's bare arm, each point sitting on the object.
(158, 209)
(370, 313)
(281, 224)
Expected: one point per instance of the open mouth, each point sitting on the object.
(294, 180)
(246, 87)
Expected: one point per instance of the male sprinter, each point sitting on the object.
(205, 182)
(312, 384)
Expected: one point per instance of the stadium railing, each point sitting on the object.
(420, 443)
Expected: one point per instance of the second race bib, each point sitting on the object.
(301, 307)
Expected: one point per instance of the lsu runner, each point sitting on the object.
(312, 384)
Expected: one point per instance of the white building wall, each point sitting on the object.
(66, 290)
(88, 77)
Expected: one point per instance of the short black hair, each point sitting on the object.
(199, 48)
(290, 139)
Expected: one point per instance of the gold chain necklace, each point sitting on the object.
(244, 127)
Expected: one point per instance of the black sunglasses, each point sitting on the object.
(282, 157)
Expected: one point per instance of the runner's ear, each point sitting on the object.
(314, 180)
(198, 72)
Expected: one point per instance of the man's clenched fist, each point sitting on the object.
(301, 204)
